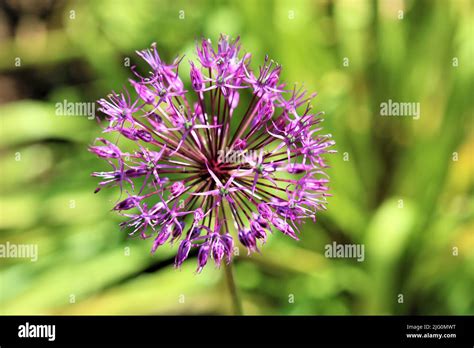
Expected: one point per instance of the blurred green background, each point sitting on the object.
(402, 187)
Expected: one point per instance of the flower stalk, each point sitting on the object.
(233, 291)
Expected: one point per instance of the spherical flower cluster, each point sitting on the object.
(236, 156)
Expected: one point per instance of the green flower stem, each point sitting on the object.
(229, 275)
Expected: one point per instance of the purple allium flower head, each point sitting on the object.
(233, 157)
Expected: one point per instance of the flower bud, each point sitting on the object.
(162, 237)
(108, 151)
(284, 227)
(103, 152)
(218, 251)
(265, 211)
(128, 203)
(248, 240)
(177, 230)
(203, 256)
(196, 79)
(143, 92)
(257, 230)
(144, 135)
(129, 133)
(297, 168)
(229, 246)
(183, 252)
